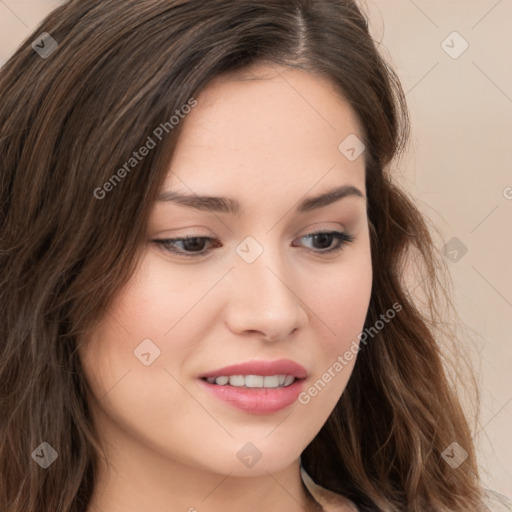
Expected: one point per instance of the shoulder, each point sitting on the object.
(496, 502)
(330, 501)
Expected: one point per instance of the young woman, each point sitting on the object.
(206, 270)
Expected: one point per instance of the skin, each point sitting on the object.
(268, 142)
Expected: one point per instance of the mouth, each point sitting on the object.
(257, 386)
(253, 381)
(252, 394)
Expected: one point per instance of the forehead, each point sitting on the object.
(271, 123)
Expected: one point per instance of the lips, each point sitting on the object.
(263, 368)
(225, 384)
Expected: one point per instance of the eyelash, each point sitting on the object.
(166, 244)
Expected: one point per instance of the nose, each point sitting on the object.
(265, 299)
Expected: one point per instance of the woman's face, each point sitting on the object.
(261, 290)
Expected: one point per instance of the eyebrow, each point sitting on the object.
(232, 206)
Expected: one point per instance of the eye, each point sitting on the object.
(194, 246)
(326, 239)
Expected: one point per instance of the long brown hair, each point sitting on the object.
(71, 120)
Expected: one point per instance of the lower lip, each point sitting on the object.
(256, 400)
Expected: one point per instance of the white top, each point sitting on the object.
(332, 502)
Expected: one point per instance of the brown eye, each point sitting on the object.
(323, 241)
(192, 246)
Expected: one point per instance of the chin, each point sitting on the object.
(246, 458)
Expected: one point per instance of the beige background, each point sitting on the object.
(459, 167)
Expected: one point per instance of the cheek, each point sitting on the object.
(341, 297)
(340, 302)
(157, 312)
(137, 397)
(158, 304)
(349, 303)
(335, 359)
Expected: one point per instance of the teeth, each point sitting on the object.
(253, 381)
(288, 380)
(271, 381)
(237, 380)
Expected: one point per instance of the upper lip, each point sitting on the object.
(264, 368)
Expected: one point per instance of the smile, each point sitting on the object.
(253, 381)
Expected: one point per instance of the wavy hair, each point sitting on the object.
(69, 120)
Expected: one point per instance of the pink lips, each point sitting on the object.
(258, 400)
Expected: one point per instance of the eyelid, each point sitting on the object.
(343, 238)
